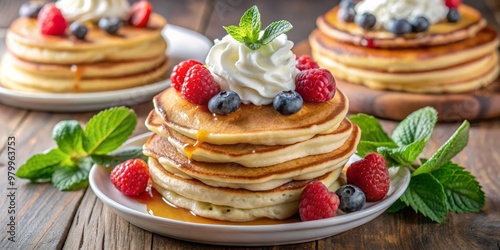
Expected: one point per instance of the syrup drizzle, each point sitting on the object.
(77, 77)
(156, 205)
(201, 136)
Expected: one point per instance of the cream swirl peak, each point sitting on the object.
(93, 10)
(256, 75)
(386, 10)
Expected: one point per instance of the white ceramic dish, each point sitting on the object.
(257, 235)
(183, 44)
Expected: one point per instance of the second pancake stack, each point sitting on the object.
(447, 58)
(249, 165)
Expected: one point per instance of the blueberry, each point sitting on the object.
(351, 198)
(288, 102)
(224, 103)
(30, 9)
(399, 26)
(78, 30)
(110, 24)
(419, 24)
(347, 14)
(453, 15)
(366, 20)
(346, 4)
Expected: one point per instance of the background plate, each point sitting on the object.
(257, 235)
(182, 44)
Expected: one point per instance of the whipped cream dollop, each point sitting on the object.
(93, 10)
(256, 75)
(385, 10)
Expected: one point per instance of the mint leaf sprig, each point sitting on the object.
(437, 186)
(68, 165)
(248, 31)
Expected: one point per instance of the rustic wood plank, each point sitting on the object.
(189, 13)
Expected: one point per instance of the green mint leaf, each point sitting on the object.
(365, 147)
(72, 178)
(371, 130)
(108, 130)
(397, 206)
(235, 32)
(250, 24)
(426, 195)
(274, 30)
(411, 135)
(463, 192)
(416, 126)
(41, 166)
(251, 45)
(119, 157)
(448, 150)
(68, 136)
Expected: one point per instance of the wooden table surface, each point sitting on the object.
(49, 219)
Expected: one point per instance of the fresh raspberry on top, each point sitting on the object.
(452, 3)
(179, 72)
(131, 177)
(140, 13)
(51, 21)
(199, 85)
(371, 175)
(317, 202)
(315, 85)
(306, 62)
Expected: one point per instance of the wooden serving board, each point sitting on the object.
(477, 105)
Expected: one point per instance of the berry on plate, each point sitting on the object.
(371, 175)
(453, 15)
(288, 102)
(224, 103)
(179, 72)
(305, 62)
(419, 24)
(315, 85)
(366, 20)
(140, 13)
(131, 177)
(351, 198)
(317, 202)
(199, 85)
(51, 21)
(399, 26)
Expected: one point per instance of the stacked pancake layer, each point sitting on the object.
(41, 63)
(448, 58)
(251, 164)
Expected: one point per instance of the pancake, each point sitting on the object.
(235, 198)
(456, 79)
(18, 79)
(237, 176)
(250, 155)
(246, 124)
(226, 213)
(485, 42)
(440, 33)
(25, 41)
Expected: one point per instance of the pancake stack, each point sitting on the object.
(250, 164)
(447, 58)
(63, 64)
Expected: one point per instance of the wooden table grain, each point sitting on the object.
(46, 218)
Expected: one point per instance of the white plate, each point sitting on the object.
(182, 44)
(257, 235)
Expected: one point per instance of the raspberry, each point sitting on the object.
(452, 3)
(371, 175)
(179, 72)
(131, 177)
(51, 21)
(199, 85)
(306, 62)
(315, 85)
(140, 12)
(317, 202)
